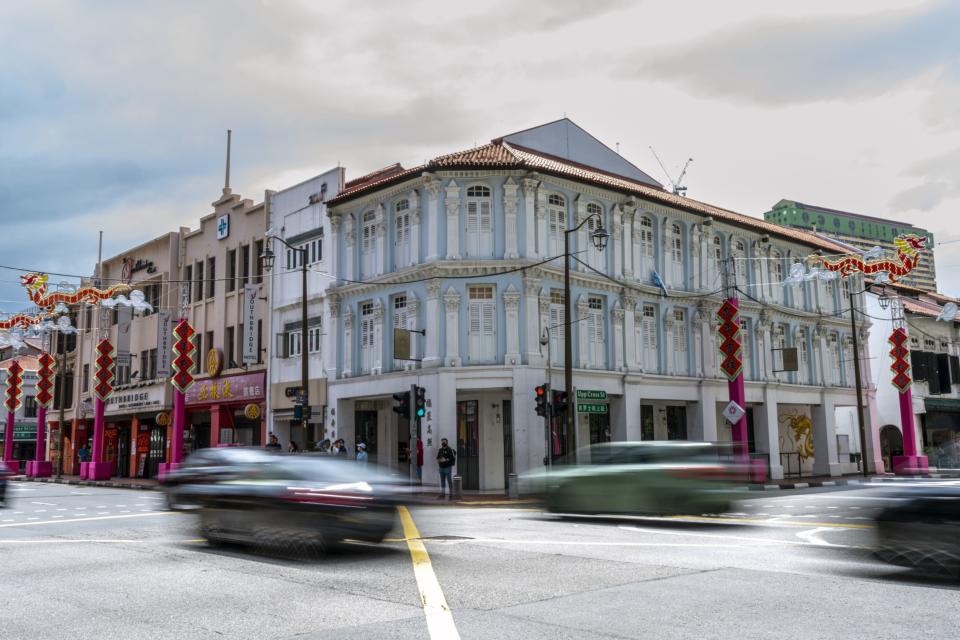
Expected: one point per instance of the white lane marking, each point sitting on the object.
(81, 493)
(63, 541)
(125, 511)
(132, 515)
(584, 543)
(17, 513)
(46, 504)
(33, 518)
(720, 536)
(102, 513)
(57, 516)
(62, 509)
(833, 507)
(812, 536)
(39, 510)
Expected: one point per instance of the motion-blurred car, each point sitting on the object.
(5, 472)
(669, 478)
(922, 531)
(287, 502)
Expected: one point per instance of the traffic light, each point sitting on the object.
(402, 406)
(420, 402)
(559, 402)
(541, 392)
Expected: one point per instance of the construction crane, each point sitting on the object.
(676, 186)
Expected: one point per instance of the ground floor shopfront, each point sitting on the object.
(489, 415)
(225, 410)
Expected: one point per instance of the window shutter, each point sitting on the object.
(955, 369)
(943, 367)
(282, 350)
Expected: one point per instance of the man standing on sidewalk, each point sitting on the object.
(446, 458)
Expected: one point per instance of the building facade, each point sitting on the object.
(298, 215)
(467, 248)
(935, 368)
(860, 231)
(219, 260)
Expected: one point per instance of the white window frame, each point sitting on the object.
(556, 223)
(745, 352)
(368, 242)
(482, 323)
(675, 256)
(479, 221)
(401, 234)
(400, 319)
(651, 357)
(597, 351)
(738, 251)
(367, 336)
(557, 326)
(681, 343)
(648, 252)
(294, 343)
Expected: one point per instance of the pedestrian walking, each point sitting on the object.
(446, 459)
(362, 454)
(84, 454)
(273, 443)
(292, 447)
(341, 448)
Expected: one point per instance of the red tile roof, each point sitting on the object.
(385, 172)
(29, 363)
(502, 155)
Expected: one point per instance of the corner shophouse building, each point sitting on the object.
(219, 259)
(137, 418)
(427, 248)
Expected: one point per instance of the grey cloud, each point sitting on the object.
(923, 197)
(939, 181)
(780, 61)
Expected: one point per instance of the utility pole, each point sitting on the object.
(856, 375)
(61, 374)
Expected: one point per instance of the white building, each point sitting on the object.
(298, 215)
(935, 368)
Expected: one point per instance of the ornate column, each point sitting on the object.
(451, 304)
(432, 356)
(334, 245)
(331, 336)
(699, 249)
(583, 335)
(531, 312)
(764, 346)
(432, 186)
(530, 217)
(376, 367)
(702, 343)
(628, 241)
(452, 202)
(349, 265)
(821, 359)
(636, 246)
(669, 326)
(581, 239)
(618, 344)
(618, 242)
(510, 230)
(348, 343)
(543, 306)
(414, 227)
(511, 306)
(543, 246)
(630, 332)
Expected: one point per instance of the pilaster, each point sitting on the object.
(530, 217)
(630, 332)
(331, 336)
(414, 227)
(618, 242)
(452, 202)
(582, 333)
(451, 304)
(510, 230)
(432, 187)
(618, 344)
(376, 367)
(511, 305)
(349, 261)
(348, 343)
(532, 356)
(432, 339)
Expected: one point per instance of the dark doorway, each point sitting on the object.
(891, 444)
(751, 438)
(122, 466)
(599, 427)
(366, 432)
(158, 450)
(468, 443)
(507, 443)
(647, 432)
(676, 423)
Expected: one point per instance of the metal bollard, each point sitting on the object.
(513, 489)
(458, 487)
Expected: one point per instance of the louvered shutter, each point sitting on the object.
(488, 350)
(485, 241)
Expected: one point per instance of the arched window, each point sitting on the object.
(746, 348)
(776, 276)
(556, 223)
(651, 355)
(368, 243)
(479, 236)
(675, 257)
(594, 257)
(739, 254)
(401, 229)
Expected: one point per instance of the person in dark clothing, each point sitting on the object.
(273, 443)
(446, 459)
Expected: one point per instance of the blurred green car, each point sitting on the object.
(653, 478)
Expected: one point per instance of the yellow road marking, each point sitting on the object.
(439, 619)
(132, 515)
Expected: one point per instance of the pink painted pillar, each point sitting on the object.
(909, 463)
(738, 394)
(8, 440)
(40, 467)
(97, 469)
(176, 436)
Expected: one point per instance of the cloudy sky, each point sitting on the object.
(112, 114)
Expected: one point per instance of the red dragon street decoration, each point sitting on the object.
(36, 286)
(22, 320)
(908, 255)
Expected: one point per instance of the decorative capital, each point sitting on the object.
(433, 289)
(451, 300)
(511, 298)
(530, 286)
(348, 319)
(432, 186)
(618, 315)
(335, 223)
(530, 187)
(543, 301)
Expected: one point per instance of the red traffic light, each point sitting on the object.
(541, 391)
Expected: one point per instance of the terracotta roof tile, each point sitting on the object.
(921, 308)
(381, 181)
(385, 172)
(29, 363)
(493, 154)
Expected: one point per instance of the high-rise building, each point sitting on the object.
(863, 232)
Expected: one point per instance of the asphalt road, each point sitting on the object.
(82, 562)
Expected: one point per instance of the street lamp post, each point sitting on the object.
(267, 259)
(599, 237)
(545, 342)
(859, 384)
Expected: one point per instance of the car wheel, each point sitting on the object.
(210, 530)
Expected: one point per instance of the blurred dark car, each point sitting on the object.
(922, 531)
(5, 472)
(675, 478)
(284, 501)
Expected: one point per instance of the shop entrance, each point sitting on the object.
(366, 432)
(468, 443)
(599, 427)
(676, 422)
(891, 444)
(122, 463)
(158, 451)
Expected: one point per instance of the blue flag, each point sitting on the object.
(658, 281)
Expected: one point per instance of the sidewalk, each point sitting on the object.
(840, 481)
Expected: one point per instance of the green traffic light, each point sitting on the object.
(421, 413)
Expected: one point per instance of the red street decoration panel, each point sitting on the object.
(901, 360)
(14, 386)
(730, 346)
(184, 355)
(104, 373)
(45, 379)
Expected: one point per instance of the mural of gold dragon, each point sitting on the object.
(802, 433)
(36, 286)
(908, 255)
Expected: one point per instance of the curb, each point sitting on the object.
(91, 483)
(841, 482)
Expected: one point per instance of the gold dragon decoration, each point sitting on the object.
(802, 433)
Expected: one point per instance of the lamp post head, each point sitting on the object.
(266, 259)
(600, 237)
(544, 338)
(884, 301)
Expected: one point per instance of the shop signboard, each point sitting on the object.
(250, 323)
(164, 343)
(136, 400)
(243, 388)
(22, 431)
